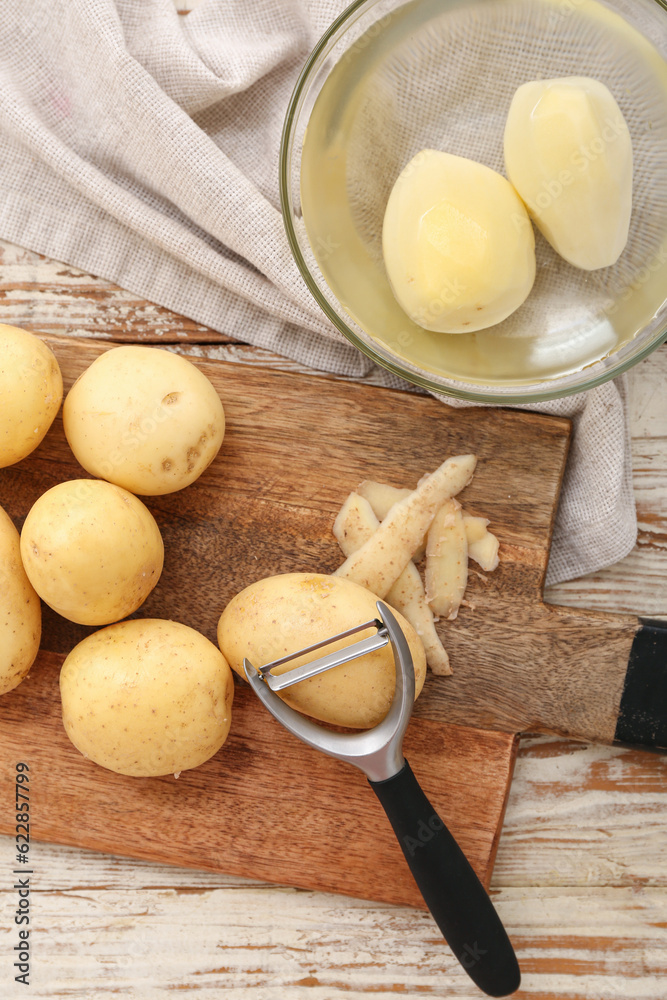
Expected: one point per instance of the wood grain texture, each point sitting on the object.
(251, 515)
(581, 890)
(265, 805)
(54, 298)
(582, 816)
(254, 514)
(579, 879)
(58, 299)
(638, 583)
(257, 943)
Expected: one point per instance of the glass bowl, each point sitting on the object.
(390, 78)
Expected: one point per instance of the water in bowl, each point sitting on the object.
(441, 74)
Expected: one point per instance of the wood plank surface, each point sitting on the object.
(580, 877)
(266, 507)
(265, 806)
(262, 508)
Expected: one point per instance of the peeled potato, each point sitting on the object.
(147, 697)
(568, 153)
(20, 611)
(145, 419)
(31, 390)
(282, 614)
(92, 551)
(458, 244)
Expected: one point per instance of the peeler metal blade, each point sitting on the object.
(377, 752)
(278, 682)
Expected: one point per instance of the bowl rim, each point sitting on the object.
(537, 392)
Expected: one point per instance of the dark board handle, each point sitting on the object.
(642, 715)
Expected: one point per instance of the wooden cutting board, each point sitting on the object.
(267, 806)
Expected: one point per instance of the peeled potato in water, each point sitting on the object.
(458, 245)
(568, 153)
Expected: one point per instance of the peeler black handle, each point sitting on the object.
(456, 898)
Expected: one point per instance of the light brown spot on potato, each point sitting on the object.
(171, 398)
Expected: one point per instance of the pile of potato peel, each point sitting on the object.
(384, 532)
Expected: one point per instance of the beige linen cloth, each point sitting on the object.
(142, 146)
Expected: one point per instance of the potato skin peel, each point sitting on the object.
(354, 525)
(447, 560)
(378, 563)
(281, 614)
(453, 538)
(483, 546)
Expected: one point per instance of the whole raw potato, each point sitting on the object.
(145, 419)
(20, 611)
(31, 390)
(282, 614)
(92, 551)
(147, 697)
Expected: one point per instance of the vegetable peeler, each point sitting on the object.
(456, 898)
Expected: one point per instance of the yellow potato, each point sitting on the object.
(145, 419)
(568, 153)
(457, 242)
(92, 551)
(147, 697)
(31, 390)
(282, 614)
(20, 611)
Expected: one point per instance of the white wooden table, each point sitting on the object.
(581, 874)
